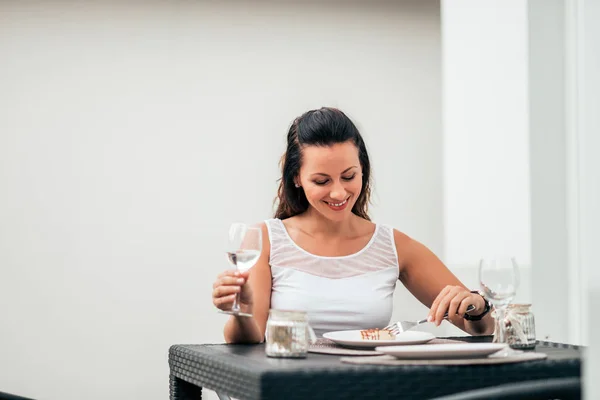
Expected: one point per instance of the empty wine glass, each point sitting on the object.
(499, 280)
(243, 250)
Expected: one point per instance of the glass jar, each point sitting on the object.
(287, 334)
(519, 326)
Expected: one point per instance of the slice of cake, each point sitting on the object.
(377, 334)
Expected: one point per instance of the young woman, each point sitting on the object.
(322, 254)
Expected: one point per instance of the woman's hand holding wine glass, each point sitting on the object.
(231, 292)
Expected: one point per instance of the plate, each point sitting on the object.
(443, 351)
(354, 339)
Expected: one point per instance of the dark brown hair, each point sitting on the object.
(323, 127)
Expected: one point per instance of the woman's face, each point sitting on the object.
(331, 177)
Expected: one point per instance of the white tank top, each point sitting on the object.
(338, 293)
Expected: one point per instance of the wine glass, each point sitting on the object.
(499, 280)
(243, 250)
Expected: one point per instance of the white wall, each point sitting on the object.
(132, 134)
(548, 165)
(486, 142)
(588, 63)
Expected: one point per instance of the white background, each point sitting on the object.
(132, 134)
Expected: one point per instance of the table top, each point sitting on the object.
(245, 372)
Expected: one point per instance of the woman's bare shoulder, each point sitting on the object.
(401, 238)
(405, 246)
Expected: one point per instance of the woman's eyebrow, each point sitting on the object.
(343, 172)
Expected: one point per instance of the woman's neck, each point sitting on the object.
(315, 224)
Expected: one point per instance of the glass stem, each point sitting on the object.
(236, 302)
(500, 313)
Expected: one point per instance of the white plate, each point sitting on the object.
(354, 339)
(443, 351)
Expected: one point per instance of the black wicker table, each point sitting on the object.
(245, 372)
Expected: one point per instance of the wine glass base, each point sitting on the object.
(237, 313)
(507, 352)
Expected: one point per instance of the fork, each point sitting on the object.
(403, 326)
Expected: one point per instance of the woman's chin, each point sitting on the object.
(335, 215)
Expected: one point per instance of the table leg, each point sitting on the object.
(182, 390)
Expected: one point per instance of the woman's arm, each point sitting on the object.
(255, 299)
(432, 283)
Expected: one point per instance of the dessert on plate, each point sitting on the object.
(377, 334)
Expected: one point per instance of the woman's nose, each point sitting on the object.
(338, 192)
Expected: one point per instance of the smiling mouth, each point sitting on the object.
(337, 204)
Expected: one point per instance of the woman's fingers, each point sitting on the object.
(453, 313)
(229, 281)
(462, 309)
(224, 303)
(448, 301)
(228, 284)
(434, 306)
(244, 274)
(221, 291)
(442, 308)
(229, 277)
(229, 272)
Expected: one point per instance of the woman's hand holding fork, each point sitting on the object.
(454, 300)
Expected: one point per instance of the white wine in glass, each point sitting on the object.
(243, 250)
(243, 259)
